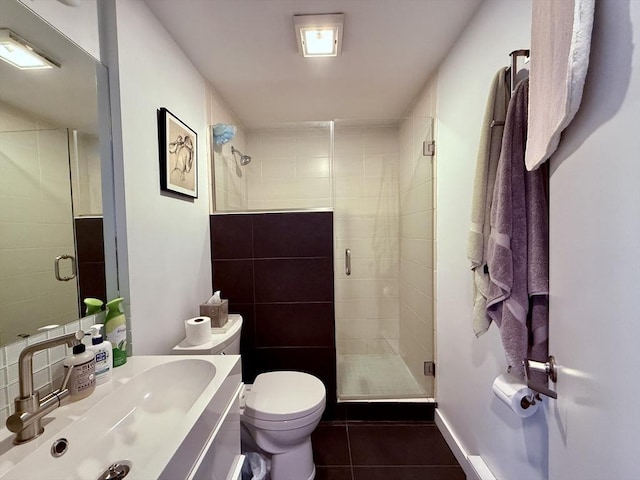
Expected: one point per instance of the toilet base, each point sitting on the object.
(286, 464)
(295, 464)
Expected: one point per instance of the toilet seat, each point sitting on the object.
(282, 398)
(285, 424)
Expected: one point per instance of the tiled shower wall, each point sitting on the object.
(417, 211)
(367, 222)
(85, 174)
(290, 168)
(36, 224)
(229, 189)
(276, 269)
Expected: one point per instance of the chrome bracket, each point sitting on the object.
(429, 148)
(548, 367)
(429, 369)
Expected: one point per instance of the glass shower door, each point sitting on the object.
(373, 352)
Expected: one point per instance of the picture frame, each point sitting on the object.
(178, 146)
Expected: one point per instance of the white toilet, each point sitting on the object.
(278, 412)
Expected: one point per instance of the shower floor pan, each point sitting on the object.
(375, 376)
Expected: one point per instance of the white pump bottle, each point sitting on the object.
(102, 350)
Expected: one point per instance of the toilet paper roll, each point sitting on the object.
(198, 330)
(511, 391)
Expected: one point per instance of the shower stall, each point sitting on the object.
(378, 179)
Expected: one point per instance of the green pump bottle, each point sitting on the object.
(115, 329)
(94, 305)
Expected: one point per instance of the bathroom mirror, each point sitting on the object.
(55, 158)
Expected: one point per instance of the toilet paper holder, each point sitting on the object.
(548, 367)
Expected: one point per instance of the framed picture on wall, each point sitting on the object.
(178, 155)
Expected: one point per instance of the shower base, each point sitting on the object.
(375, 377)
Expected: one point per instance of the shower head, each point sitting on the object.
(244, 159)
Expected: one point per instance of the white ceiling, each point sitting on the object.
(247, 50)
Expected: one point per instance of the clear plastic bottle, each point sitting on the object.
(82, 380)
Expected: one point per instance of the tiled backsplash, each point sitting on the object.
(47, 364)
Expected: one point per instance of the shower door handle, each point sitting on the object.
(347, 261)
(57, 267)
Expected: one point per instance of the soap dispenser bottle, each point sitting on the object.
(79, 368)
(103, 354)
(115, 329)
(94, 305)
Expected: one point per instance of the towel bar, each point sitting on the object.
(514, 65)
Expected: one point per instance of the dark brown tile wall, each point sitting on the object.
(276, 269)
(90, 252)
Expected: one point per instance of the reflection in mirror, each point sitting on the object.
(50, 185)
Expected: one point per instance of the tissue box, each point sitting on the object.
(218, 312)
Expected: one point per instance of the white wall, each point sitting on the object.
(165, 239)
(511, 447)
(595, 260)
(79, 23)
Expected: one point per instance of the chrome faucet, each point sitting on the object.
(26, 421)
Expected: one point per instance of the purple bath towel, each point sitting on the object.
(517, 256)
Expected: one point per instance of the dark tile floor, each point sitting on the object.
(382, 451)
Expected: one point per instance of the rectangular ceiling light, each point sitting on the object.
(319, 35)
(19, 53)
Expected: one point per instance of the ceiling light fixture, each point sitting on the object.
(16, 51)
(319, 35)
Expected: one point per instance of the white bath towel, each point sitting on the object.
(560, 45)
(484, 180)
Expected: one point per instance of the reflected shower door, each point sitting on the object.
(36, 222)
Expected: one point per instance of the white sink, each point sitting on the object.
(140, 418)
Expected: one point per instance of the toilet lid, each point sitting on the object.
(284, 395)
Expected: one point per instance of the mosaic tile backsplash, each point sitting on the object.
(48, 370)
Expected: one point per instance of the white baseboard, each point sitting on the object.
(473, 465)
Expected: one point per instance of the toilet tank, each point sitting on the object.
(224, 340)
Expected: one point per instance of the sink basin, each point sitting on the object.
(141, 419)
